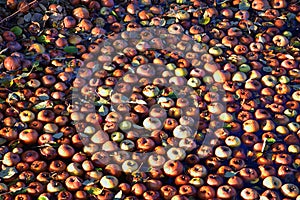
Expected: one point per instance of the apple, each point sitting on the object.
(151, 123)
(233, 141)
(181, 72)
(194, 82)
(272, 182)
(215, 51)
(175, 153)
(117, 136)
(127, 145)
(125, 125)
(284, 79)
(74, 169)
(290, 113)
(244, 68)
(26, 116)
(197, 182)
(130, 166)
(54, 186)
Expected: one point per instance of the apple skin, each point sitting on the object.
(117, 136)
(27, 116)
(109, 181)
(272, 182)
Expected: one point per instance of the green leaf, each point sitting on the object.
(16, 30)
(230, 174)
(271, 140)
(99, 169)
(95, 191)
(103, 110)
(244, 5)
(70, 49)
(8, 172)
(20, 191)
(118, 195)
(42, 39)
(101, 102)
(227, 126)
(43, 105)
(295, 165)
(88, 182)
(43, 198)
(204, 21)
(58, 135)
(2, 141)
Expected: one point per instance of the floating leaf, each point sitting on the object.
(16, 30)
(95, 191)
(43, 39)
(229, 174)
(99, 169)
(290, 16)
(103, 110)
(39, 48)
(295, 165)
(20, 191)
(43, 105)
(70, 49)
(244, 5)
(271, 140)
(138, 101)
(2, 141)
(118, 195)
(254, 181)
(227, 126)
(88, 182)
(58, 135)
(204, 20)
(43, 198)
(101, 102)
(43, 97)
(259, 154)
(8, 172)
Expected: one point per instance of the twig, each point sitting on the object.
(19, 10)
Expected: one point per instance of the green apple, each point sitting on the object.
(233, 141)
(125, 125)
(194, 82)
(104, 11)
(244, 68)
(181, 72)
(197, 182)
(117, 136)
(288, 34)
(215, 51)
(74, 169)
(104, 91)
(109, 181)
(171, 66)
(272, 182)
(130, 166)
(239, 77)
(290, 113)
(127, 145)
(293, 148)
(208, 80)
(284, 79)
(293, 126)
(151, 91)
(26, 116)
(176, 153)
(54, 186)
